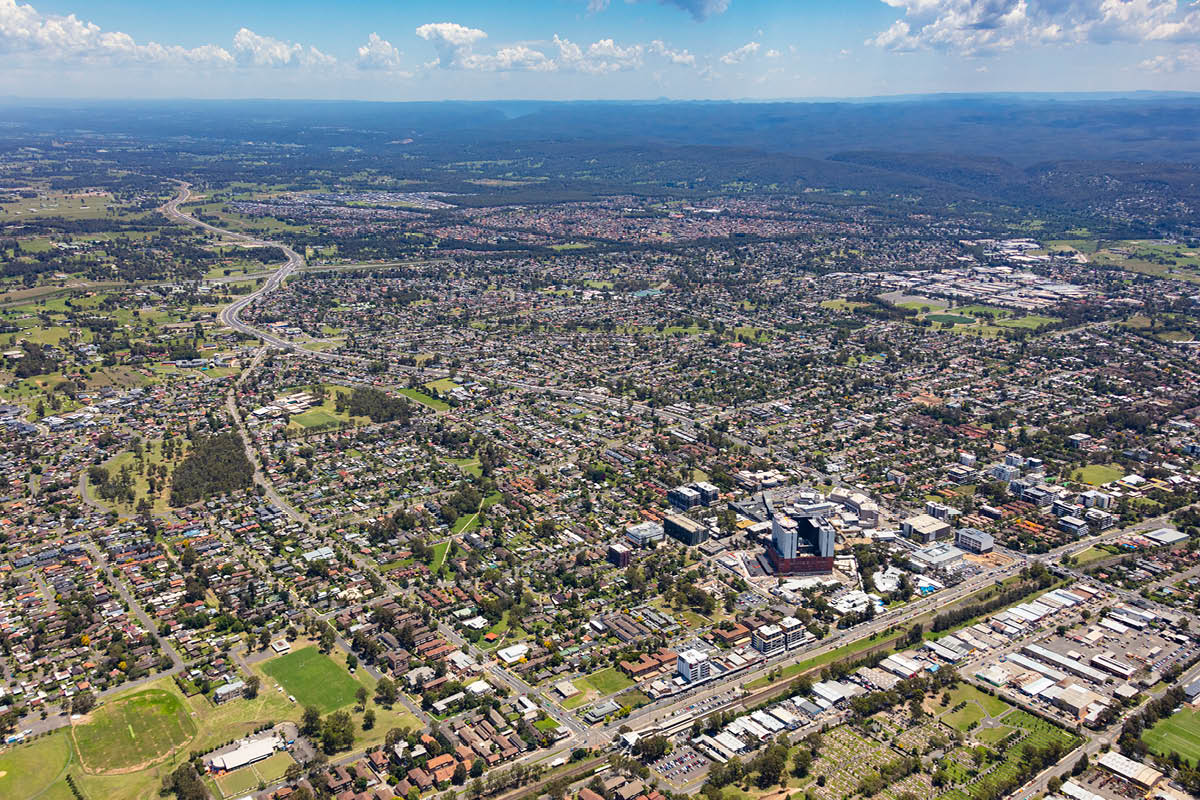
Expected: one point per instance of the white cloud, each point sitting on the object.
(254, 50)
(1185, 60)
(455, 45)
(741, 54)
(979, 27)
(659, 48)
(25, 30)
(598, 58)
(773, 54)
(378, 53)
(452, 41)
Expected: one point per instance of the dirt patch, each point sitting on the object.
(988, 559)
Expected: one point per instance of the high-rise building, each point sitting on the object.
(801, 546)
(768, 639)
(685, 530)
(619, 554)
(693, 666)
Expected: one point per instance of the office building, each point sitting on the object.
(685, 530)
(693, 666)
(645, 534)
(974, 540)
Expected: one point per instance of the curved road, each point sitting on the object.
(231, 314)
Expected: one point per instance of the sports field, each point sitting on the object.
(133, 731)
(313, 679)
(26, 770)
(956, 319)
(314, 418)
(244, 781)
(1098, 474)
(607, 681)
(1178, 733)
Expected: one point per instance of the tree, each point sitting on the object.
(771, 765)
(385, 692)
(477, 768)
(460, 775)
(337, 732)
(802, 762)
(252, 685)
(83, 702)
(361, 695)
(185, 783)
(310, 723)
(368, 719)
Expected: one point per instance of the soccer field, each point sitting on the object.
(133, 730)
(313, 679)
(1178, 733)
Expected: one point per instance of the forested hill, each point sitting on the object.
(1024, 130)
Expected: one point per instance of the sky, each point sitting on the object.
(591, 49)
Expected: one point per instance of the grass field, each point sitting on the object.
(994, 735)
(1092, 554)
(470, 466)
(313, 679)
(29, 769)
(245, 780)
(979, 705)
(439, 555)
(215, 726)
(1178, 733)
(842, 304)
(1098, 474)
(956, 319)
(917, 305)
(315, 418)
(1032, 322)
(443, 385)
(425, 400)
(133, 731)
(607, 681)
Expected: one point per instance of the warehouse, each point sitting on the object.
(1071, 665)
(248, 751)
(1132, 771)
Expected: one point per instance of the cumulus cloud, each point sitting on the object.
(741, 54)
(254, 50)
(25, 30)
(456, 49)
(598, 58)
(452, 41)
(979, 27)
(1185, 60)
(682, 57)
(378, 53)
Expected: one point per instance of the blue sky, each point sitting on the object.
(592, 49)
